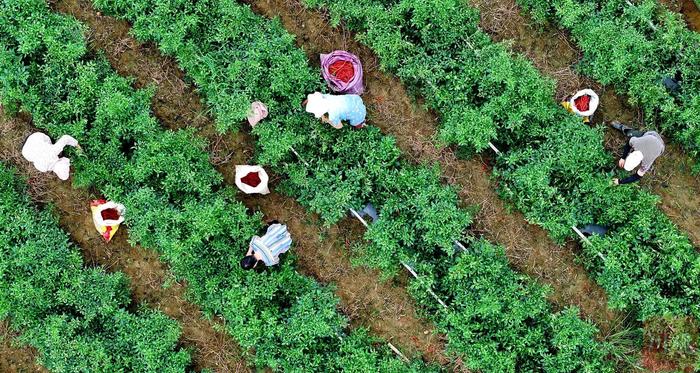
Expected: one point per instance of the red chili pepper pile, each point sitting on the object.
(252, 179)
(342, 70)
(583, 103)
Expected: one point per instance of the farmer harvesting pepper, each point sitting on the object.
(39, 150)
(336, 109)
(642, 149)
(267, 248)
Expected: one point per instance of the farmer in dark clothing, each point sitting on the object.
(642, 150)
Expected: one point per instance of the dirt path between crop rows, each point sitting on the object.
(555, 56)
(385, 308)
(150, 280)
(688, 8)
(14, 359)
(391, 108)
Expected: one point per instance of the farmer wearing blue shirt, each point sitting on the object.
(268, 248)
(336, 109)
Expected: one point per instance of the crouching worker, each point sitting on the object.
(39, 150)
(268, 248)
(336, 109)
(642, 149)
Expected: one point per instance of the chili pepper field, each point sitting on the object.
(480, 177)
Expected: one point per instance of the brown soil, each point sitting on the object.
(391, 108)
(689, 9)
(385, 308)
(653, 361)
(13, 358)
(555, 56)
(150, 281)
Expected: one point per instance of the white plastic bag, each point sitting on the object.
(107, 216)
(592, 105)
(252, 179)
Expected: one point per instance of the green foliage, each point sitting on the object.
(553, 167)
(176, 202)
(676, 339)
(231, 68)
(77, 318)
(419, 221)
(503, 323)
(420, 218)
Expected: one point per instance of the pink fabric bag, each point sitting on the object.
(258, 112)
(333, 78)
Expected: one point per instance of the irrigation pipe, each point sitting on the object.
(396, 351)
(298, 156)
(460, 245)
(430, 291)
(359, 218)
(651, 24)
(587, 241)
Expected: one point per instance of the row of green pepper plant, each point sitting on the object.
(554, 168)
(176, 204)
(79, 319)
(633, 46)
(496, 320)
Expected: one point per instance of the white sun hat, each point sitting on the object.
(62, 168)
(316, 104)
(633, 160)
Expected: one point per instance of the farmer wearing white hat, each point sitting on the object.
(39, 150)
(336, 109)
(641, 151)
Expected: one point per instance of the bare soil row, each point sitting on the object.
(383, 307)
(392, 109)
(150, 281)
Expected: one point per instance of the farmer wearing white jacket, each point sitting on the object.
(39, 150)
(334, 109)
